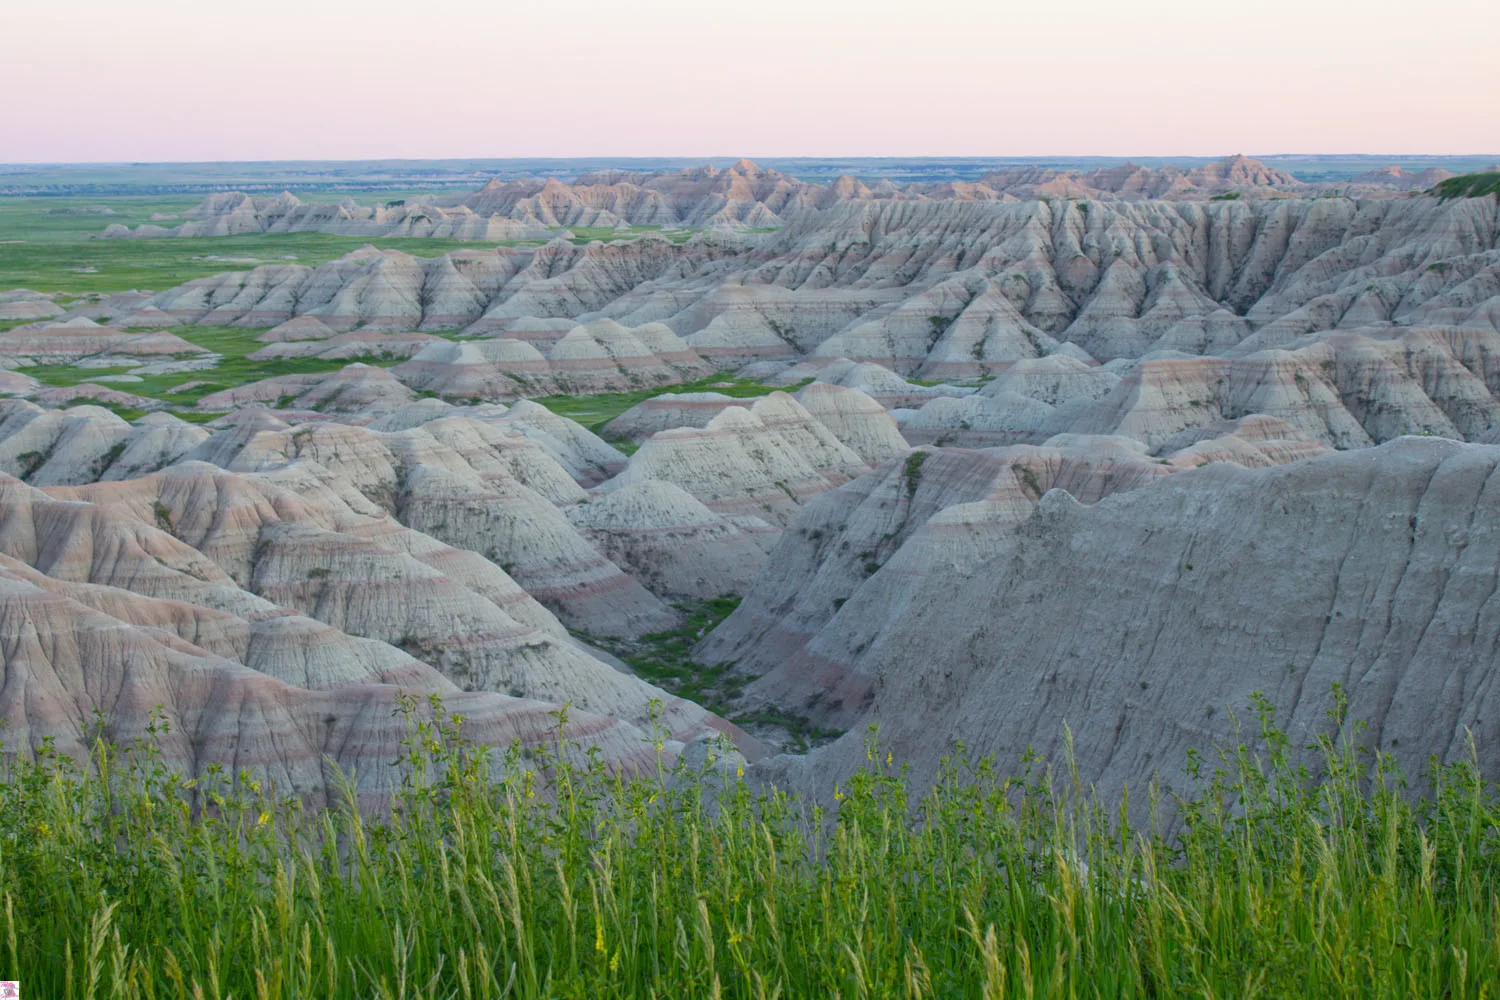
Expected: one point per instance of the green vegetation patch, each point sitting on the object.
(49, 244)
(235, 344)
(665, 659)
(584, 235)
(1468, 186)
(117, 265)
(537, 873)
(596, 411)
(911, 473)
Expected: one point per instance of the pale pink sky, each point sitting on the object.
(350, 79)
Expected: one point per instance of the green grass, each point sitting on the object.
(1468, 186)
(911, 473)
(60, 220)
(665, 659)
(583, 235)
(519, 875)
(46, 248)
(595, 411)
(233, 343)
(159, 264)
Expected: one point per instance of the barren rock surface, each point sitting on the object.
(1146, 620)
(190, 574)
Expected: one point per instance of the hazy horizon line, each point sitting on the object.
(748, 156)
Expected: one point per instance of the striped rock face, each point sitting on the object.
(744, 195)
(274, 618)
(1146, 621)
(946, 288)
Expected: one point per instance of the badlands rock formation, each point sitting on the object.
(744, 195)
(947, 290)
(66, 342)
(24, 304)
(1145, 621)
(854, 418)
(661, 535)
(491, 485)
(1233, 175)
(600, 356)
(1179, 471)
(668, 411)
(763, 461)
(233, 214)
(856, 556)
(275, 617)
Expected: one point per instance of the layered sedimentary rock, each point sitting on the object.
(84, 443)
(1236, 175)
(24, 304)
(234, 601)
(338, 346)
(585, 455)
(669, 411)
(858, 555)
(356, 388)
(477, 484)
(669, 541)
(938, 289)
(857, 420)
(1344, 389)
(744, 195)
(68, 341)
(1146, 622)
(13, 383)
(233, 213)
(761, 461)
(601, 356)
(496, 484)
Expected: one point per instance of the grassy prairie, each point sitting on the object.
(46, 245)
(87, 265)
(523, 876)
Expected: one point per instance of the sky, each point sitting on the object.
(189, 80)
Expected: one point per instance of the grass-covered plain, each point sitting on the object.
(526, 876)
(48, 245)
(115, 265)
